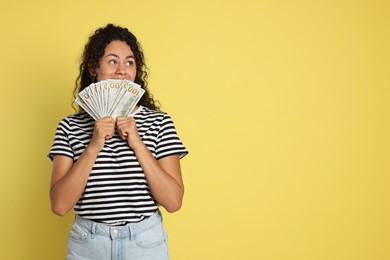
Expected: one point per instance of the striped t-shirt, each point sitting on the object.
(117, 192)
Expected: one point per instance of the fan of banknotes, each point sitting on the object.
(110, 98)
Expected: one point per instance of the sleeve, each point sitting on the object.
(61, 144)
(169, 142)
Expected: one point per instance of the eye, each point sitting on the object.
(129, 63)
(113, 62)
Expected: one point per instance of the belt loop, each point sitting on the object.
(131, 232)
(93, 230)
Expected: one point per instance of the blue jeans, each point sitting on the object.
(143, 240)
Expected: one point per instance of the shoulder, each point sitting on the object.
(144, 113)
(77, 119)
(147, 117)
(148, 111)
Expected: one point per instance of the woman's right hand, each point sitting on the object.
(68, 178)
(104, 129)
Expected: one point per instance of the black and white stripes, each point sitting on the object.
(117, 192)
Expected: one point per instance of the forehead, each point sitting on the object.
(118, 47)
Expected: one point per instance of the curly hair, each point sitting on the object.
(93, 52)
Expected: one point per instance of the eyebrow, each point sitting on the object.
(117, 56)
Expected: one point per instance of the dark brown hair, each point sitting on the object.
(93, 52)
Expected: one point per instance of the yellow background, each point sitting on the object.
(283, 105)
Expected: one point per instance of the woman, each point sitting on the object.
(116, 173)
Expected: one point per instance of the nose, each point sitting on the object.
(120, 69)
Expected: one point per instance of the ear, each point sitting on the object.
(92, 71)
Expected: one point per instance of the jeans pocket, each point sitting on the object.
(152, 237)
(78, 234)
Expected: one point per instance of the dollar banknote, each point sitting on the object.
(110, 98)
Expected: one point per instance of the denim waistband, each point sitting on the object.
(118, 232)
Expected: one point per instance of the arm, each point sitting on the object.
(163, 176)
(69, 179)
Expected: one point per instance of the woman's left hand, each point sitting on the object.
(163, 176)
(127, 129)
